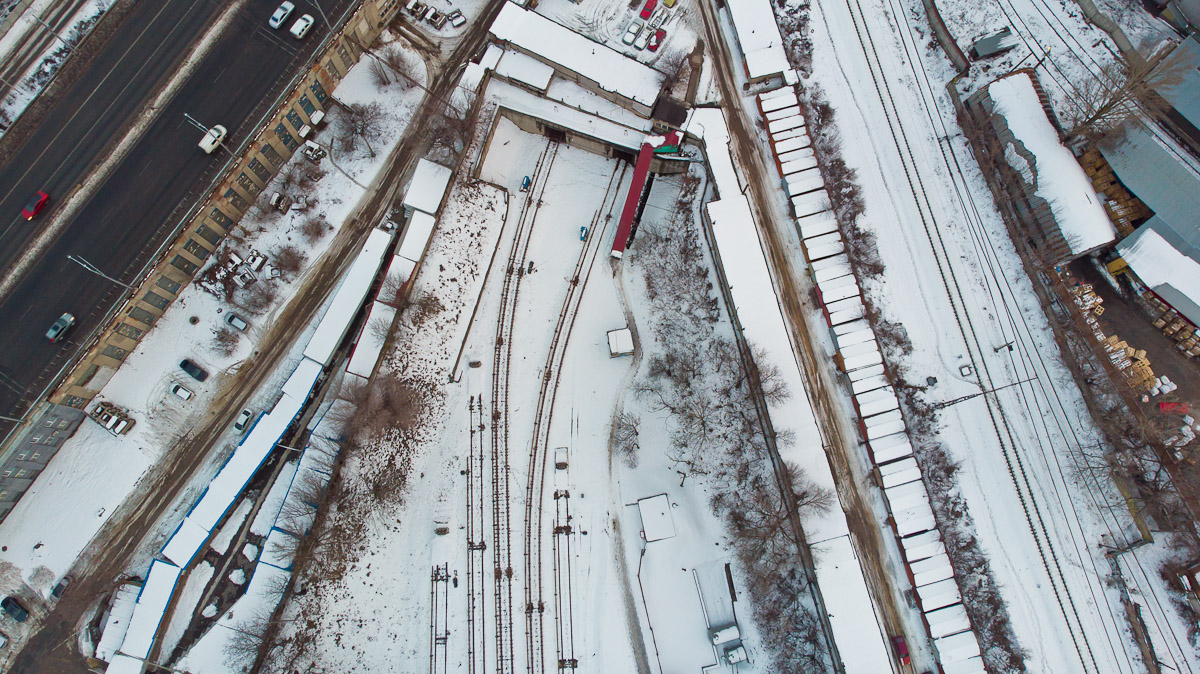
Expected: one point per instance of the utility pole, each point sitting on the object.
(68, 45)
(955, 401)
(92, 268)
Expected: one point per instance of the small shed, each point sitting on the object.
(656, 518)
(993, 44)
(620, 342)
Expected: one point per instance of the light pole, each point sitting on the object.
(92, 268)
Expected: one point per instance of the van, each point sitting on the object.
(212, 139)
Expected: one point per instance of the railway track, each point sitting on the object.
(439, 609)
(564, 609)
(501, 498)
(535, 605)
(476, 546)
(1003, 431)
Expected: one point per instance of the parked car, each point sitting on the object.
(35, 205)
(198, 373)
(650, 5)
(632, 31)
(525, 182)
(300, 28)
(901, 647)
(281, 14)
(243, 420)
(642, 39)
(182, 392)
(61, 587)
(14, 609)
(657, 38)
(59, 329)
(236, 322)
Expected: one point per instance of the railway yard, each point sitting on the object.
(671, 337)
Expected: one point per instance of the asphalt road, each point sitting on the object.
(142, 201)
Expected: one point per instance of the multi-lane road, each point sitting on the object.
(143, 199)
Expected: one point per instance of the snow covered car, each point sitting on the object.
(632, 31)
(182, 392)
(656, 39)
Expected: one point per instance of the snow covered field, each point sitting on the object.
(95, 472)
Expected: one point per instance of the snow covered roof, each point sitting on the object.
(279, 549)
(758, 35)
(557, 44)
(416, 236)
(151, 604)
(350, 294)
(1060, 180)
(851, 614)
(656, 518)
(302, 379)
(117, 623)
(427, 187)
(370, 342)
(520, 67)
(620, 342)
(268, 512)
(1164, 269)
(123, 664)
(523, 101)
(185, 542)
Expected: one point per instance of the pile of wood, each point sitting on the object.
(1123, 208)
(1175, 326)
(1131, 363)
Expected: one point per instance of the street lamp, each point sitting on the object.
(92, 268)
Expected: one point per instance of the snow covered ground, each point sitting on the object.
(95, 472)
(953, 281)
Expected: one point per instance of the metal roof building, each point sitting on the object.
(1168, 182)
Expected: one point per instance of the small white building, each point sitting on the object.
(620, 342)
(656, 518)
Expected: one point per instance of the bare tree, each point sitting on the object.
(225, 341)
(379, 328)
(243, 646)
(313, 228)
(397, 62)
(361, 121)
(381, 75)
(290, 259)
(1104, 102)
(625, 437)
(257, 297)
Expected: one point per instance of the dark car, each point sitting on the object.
(901, 647)
(60, 328)
(13, 608)
(35, 205)
(198, 373)
(61, 587)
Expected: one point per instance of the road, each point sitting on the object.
(139, 205)
(866, 531)
(114, 546)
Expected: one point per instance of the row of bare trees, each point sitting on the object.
(699, 380)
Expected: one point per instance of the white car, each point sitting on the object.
(281, 14)
(242, 420)
(631, 32)
(212, 139)
(182, 392)
(300, 28)
(643, 39)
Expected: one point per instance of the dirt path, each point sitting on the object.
(840, 443)
(52, 650)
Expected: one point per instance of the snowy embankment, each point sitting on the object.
(95, 473)
(30, 83)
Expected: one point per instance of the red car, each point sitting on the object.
(657, 39)
(650, 5)
(35, 205)
(901, 647)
